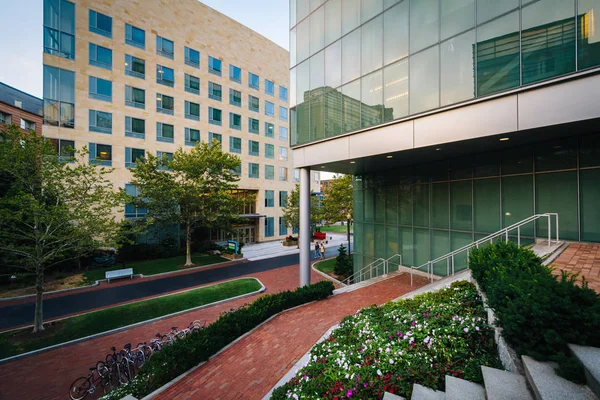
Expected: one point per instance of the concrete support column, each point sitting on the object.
(304, 226)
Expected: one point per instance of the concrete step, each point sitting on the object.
(589, 357)
(460, 389)
(390, 396)
(423, 393)
(547, 385)
(504, 385)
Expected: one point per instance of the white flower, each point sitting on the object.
(379, 372)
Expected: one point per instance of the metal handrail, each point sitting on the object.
(503, 232)
(369, 267)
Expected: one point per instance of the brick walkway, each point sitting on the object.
(252, 366)
(48, 375)
(583, 258)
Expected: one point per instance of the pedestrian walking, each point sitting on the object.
(317, 250)
(322, 250)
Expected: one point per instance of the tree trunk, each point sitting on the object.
(188, 246)
(38, 319)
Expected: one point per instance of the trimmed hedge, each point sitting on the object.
(184, 354)
(538, 312)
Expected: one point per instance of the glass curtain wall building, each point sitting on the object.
(456, 117)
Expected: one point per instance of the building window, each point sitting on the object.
(164, 160)
(131, 211)
(253, 170)
(135, 97)
(283, 94)
(283, 230)
(59, 97)
(192, 136)
(100, 121)
(192, 110)
(100, 57)
(100, 89)
(192, 84)
(235, 97)
(283, 198)
(215, 136)
(214, 66)
(283, 113)
(235, 121)
(165, 75)
(164, 47)
(59, 28)
(269, 150)
(215, 91)
(135, 36)
(135, 67)
(214, 116)
(253, 81)
(164, 132)
(269, 87)
(283, 174)
(253, 103)
(132, 156)
(100, 24)
(253, 148)
(253, 125)
(235, 144)
(269, 172)
(269, 227)
(165, 104)
(269, 109)
(100, 154)
(65, 149)
(296, 175)
(5, 118)
(27, 125)
(283, 133)
(269, 130)
(316, 176)
(135, 128)
(269, 198)
(235, 73)
(283, 154)
(192, 57)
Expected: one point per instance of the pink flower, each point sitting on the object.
(466, 330)
(400, 334)
(413, 323)
(476, 328)
(349, 393)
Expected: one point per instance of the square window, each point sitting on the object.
(215, 136)
(283, 133)
(100, 24)
(100, 56)
(165, 47)
(269, 198)
(135, 128)
(253, 103)
(165, 104)
(135, 97)
(27, 125)
(65, 149)
(192, 136)
(192, 57)
(235, 73)
(253, 148)
(283, 94)
(192, 84)
(165, 75)
(269, 150)
(135, 36)
(253, 81)
(100, 121)
(235, 144)
(269, 172)
(269, 87)
(235, 121)
(283, 174)
(215, 91)
(164, 159)
(135, 67)
(283, 154)
(253, 125)
(131, 211)
(214, 66)
(269, 130)
(269, 227)
(100, 154)
(269, 109)
(192, 110)
(164, 132)
(253, 170)
(283, 113)
(235, 97)
(100, 89)
(132, 156)
(214, 116)
(5, 118)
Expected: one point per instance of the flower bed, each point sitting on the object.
(389, 348)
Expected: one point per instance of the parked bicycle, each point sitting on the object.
(98, 377)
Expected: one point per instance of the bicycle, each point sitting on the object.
(116, 365)
(146, 350)
(83, 386)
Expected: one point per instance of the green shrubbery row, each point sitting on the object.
(184, 354)
(538, 312)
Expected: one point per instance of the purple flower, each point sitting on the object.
(466, 330)
(400, 334)
(413, 323)
(349, 393)
(426, 339)
(476, 328)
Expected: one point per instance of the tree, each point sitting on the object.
(52, 208)
(339, 199)
(291, 210)
(196, 188)
(343, 263)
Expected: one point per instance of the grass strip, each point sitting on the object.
(23, 340)
(326, 266)
(336, 228)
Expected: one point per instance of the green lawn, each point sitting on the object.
(336, 228)
(153, 267)
(23, 340)
(326, 266)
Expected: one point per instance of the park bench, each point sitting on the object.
(119, 273)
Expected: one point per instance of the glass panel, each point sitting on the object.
(458, 240)
(461, 168)
(457, 16)
(317, 115)
(372, 99)
(562, 201)
(350, 15)
(498, 55)
(369, 198)
(589, 151)
(486, 195)
(67, 86)
(440, 245)
(370, 8)
(303, 79)
(517, 161)
(424, 80)
(369, 243)
(488, 9)
(302, 40)
(487, 164)
(395, 33)
(333, 64)
(333, 16)
(351, 106)
(393, 246)
(406, 237)
(555, 155)
(292, 47)
(458, 66)
(351, 56)
(359, 205)
(391, 204)
(548, 39)
(588, 33)
(380, 245)
(317, 71)
(421, 246)
(333, 112)
(590, 212)
(314, 4)
(372, 45)
(461, 205)
(317, 30)
(379, 201)
(424, 24)
(421, 204)
(405, 202)
(440, 205)
(517, 201)
(358, 238)
(395, 91)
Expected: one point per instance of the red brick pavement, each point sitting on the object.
(583, 258)
(48, 375)
(252, 366)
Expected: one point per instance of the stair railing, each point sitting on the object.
(366, 271)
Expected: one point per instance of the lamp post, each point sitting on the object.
(348, 216)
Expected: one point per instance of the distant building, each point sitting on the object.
(20, 108)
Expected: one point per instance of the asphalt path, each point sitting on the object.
(22, 314)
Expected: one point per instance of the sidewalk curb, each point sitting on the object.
(331, 278)
(105, 333)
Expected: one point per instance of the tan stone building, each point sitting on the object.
(130, 77)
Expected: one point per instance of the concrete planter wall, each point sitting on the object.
(288, 243)
(232, 256)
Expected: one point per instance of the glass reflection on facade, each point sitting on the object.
(426, 54)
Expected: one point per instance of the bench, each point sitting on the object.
(119, 273)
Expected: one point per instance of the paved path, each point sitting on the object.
(14, 315)
(252, 366)
(583, 258)
(48, 375)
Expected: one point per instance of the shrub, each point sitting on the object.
(184, 354)
(343, 263)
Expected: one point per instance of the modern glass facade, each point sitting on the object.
(426, 211)
(360, 63)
